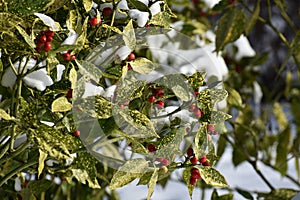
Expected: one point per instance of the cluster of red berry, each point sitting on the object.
(130, 57)
(157, 93)
(195, 174)
(44, 41)
(67, 56)
(194, 160)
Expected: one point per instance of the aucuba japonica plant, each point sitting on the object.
(95, 94)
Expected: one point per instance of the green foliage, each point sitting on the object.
(26, 7)
(38, 133)
(230, 26)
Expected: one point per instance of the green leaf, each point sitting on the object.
(80, 42)
(196, 80)
(131, 170)
(37, 187)
(61, 104)
(48, 140)
(169, 145)
(238, 157)
(282, 150)
(73, 77)
(129, 36)
(136, 124)
(5, 116)
(234, 98)
(87, 4)
(26, 7)
(200, 141)
(143, 65)
(8, 21)
(161, 19)
(130, 90)
(177, 83)
(281, 193)
(213, 177)
(72, 20)
(280, 116)
(97, 107)
(26, 37)
(42, 159)
(230, 26)
(138, 5)
(186, 175)
(89, 70)
(221, 146)
(84, 169)
(253, 18)
(245, 194)
(152, 184)
(112, 28)
(219, 117)
(217, 95)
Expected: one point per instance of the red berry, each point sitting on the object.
(76, 133)
(63, 179)
(163, 161)
(94, 21)
(66, 56)
(151, 148)
(193, 181)
(206, 163)
(190, 152)
(47, 46)
(49, 33)
(196, 93)
(160, 95)
(238, 68)
(202, 159)
(131, 57)
(197, 112)
(194, 160)
(107, 11)
(195, 173)
(157, 91)
(160, 104)
(69, 94)
(192, 107)
(73, 57)
(49, 39)
(38, 49)
(38, 42)
(43, 39)
(151, 99)
(210, 128)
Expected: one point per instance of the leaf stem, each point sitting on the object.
(15, 153)
(17, 170)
